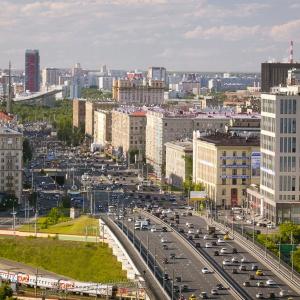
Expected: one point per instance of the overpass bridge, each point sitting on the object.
(40, 98)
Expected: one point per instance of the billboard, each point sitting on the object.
(198, 195)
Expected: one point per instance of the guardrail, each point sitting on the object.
(146, 256)
(284, 273)
(237, 291)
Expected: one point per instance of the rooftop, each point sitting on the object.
(225, 139)
(6, 130)
(184, 144)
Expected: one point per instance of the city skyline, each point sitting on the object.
(179, 35)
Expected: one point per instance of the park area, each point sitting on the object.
(84, 225)
(80, 261)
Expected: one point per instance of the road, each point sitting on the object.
(242, 276)
(186, 264)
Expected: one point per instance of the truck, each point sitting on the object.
(141, 225)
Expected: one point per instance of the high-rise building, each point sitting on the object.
(280, 155)
(32, 70)
(50, 76)
(78, 113)
(275, 74)
(158, 73)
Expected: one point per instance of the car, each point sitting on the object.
(260, 283)
(197, 245)
(224, 251)
(243, 259)
(166, 276)
(196, 236)
(183, 214)
(130, 220)
(191, 231)
(234, 271)
(271, 295)
(243, 268)
(259, 272)
(254, 267)
(153, 229)
(220, 241)
(206, 237)
(199, 231)
(165, 247)
(178, 278)
(220, 286)
(234, 260)
(216, 253)
(246, 283)
(190, 237)
(270, 226)
(214, 292)
(283, 293)
(184, 288)
(172, 255)
(226, 262)
(192, 297)
(181, 230)
(165, 261)
(259, 295)
(205, 271)
(234, 250)
(208, 245)
(270, 282)
(226, 237)
(164, 229)
(164, 240)
(203, 295)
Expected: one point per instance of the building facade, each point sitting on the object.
(32, 70)
(158, 73)
(280, 169)
(275, 74)
(50, 76)
(11, 164)
(128, 132)
(105, 83)
(164, 126)
(78, 113)
(138, 92)
(102, 127)
(226, 165)
(177, 165)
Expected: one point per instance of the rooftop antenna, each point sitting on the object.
(8, 102)
(291, 59)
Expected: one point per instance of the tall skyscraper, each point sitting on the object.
(32, 70)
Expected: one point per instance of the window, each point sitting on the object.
(234, 171)
(244, 153)
(223, 192)
(223, 181)
(234, 181)
(244, 171)
(224, 153)
(166, 124)
(244, 181)
(234, 153)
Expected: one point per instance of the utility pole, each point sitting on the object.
(14, 220)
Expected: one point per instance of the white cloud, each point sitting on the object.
(224, 32)
(286, 31)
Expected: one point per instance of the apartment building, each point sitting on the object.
(128, 132)
(78, 112)
(102, 127)
(90, 107)
(280, 150)
(138, 92)
(11, 155)
(165, 126)
(177, 155)
(226, 165)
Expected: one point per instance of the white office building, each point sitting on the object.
(280, 155)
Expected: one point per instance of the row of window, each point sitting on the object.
(268, 105)
(287, 183)
(267, 142)
(288, 106)
(234, 153)
(234, 181)
(287, 164)
(268, 124)
(287, 125)
(288, 145)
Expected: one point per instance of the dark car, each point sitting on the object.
(197, 245)
(216, 253)
(196, 236)
(164, 229)
(234, 250)
(181, 230)
(178, 278)
(190, 237)
(220, 286)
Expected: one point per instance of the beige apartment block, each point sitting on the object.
(11, 156)
(226, 165)
(164, 126)
(128, 132)
(90, 108)
(138, 92)
(176, 165)
(78, 112)
(102, 127)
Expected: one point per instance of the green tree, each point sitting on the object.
(287, 229)
(27, 151)
(5, 292)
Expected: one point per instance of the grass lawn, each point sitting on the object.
(80, 261)
(80, 226)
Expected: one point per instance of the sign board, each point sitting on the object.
(198, 195)
(255, 164)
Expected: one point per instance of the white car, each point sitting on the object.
(164, 240)
(130, 220)
(234, 260)
(227, 262)
(187, 224)
(153, 229)
(208, 245)
(270, 282)
(221, 241)
(270, 226)
(283, 293)
(191, 231)
(206, 237)
(224, 251)
(243, 259)
(205, 271)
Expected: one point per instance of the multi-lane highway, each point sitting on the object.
(241, 276)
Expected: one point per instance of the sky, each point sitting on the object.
(181, 35)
